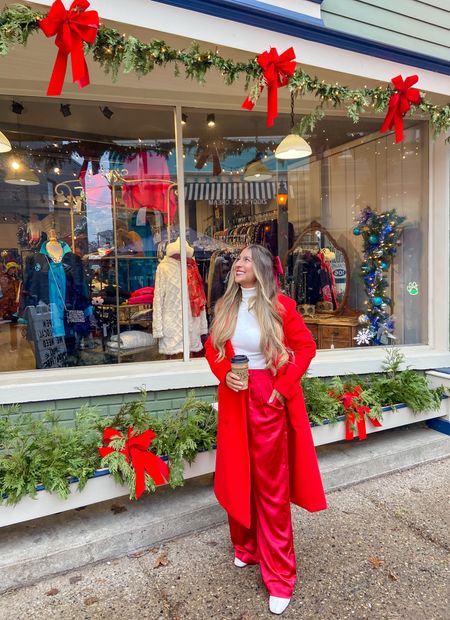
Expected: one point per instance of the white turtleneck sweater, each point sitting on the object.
(247, 335)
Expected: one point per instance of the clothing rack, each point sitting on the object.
(116, 178)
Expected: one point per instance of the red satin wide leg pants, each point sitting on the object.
(269, 540)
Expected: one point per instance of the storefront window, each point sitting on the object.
(90, 269)
(317, 214)
(88, 202)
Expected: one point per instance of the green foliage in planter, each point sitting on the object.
(319, 404)
(404, 386)
(35, 451)
(180, 435)
(367, 397)
(44, 451)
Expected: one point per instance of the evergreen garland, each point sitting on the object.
(380, 234)
(115, 52)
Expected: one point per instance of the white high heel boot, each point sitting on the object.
(277, 605)
(239, 563)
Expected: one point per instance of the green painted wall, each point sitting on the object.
(419, 25)
(158, 403)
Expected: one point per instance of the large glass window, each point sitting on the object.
(88, 204)
(90, 254)
(349, 223)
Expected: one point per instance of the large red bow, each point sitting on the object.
(277, 69)
(356, 415)
(72, 28)
(136, 452)
(400, 103)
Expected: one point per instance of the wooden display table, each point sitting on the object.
(333, 332)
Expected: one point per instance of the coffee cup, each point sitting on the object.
(239, 365)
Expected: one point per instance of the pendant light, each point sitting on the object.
(256, 170)
(20, 173)
(5, 144)
(293, 146)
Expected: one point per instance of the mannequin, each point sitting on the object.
(54, 276)
(54, 247)
(175, 248)
(167, 310)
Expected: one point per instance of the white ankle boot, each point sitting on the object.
(239, 563)
(278, 605)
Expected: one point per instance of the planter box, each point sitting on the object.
(402, 415)
(99, 488)
(102, 486)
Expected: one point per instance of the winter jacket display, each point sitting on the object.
(167, 311)
(312, 278)
(62, 284)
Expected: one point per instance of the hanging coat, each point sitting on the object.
(232, 477)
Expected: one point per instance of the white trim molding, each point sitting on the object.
(97, 381)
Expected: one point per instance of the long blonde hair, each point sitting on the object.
(265, 306)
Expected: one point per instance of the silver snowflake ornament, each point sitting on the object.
(364, 336)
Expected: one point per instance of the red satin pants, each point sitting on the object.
(269, 541)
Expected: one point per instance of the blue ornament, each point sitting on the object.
(388, 229)
(377, 301)
(356, 231)
(384, 266)
(373, 239)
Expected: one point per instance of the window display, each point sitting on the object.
(81, 245)
(352, 290)
(90, 250)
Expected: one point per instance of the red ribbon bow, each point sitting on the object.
(277, 69)
(399, 103)
(356, 415)
(136, 452)
(72, 28)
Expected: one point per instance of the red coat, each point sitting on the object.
(232, 478)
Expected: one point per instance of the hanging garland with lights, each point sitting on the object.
(380, 233)
(56, 154)
(115, 51)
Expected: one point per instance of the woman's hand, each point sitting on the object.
(233, 382)
(276, 395)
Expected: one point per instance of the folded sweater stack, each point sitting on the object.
(143, 295)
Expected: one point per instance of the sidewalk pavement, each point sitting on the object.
(380, 551)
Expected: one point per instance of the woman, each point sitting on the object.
(265, 453)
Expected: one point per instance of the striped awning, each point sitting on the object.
(264, 190)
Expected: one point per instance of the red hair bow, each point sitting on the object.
(72, 28)
(399, 103)
(277, 69)
(277, 266)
